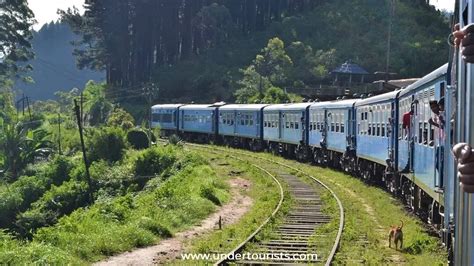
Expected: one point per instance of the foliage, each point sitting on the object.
(154, 160)
(21, 146)
(15, 36)
(97, 105)
(106, 143)
(56, 202)
(27, 189)
(138, 139)
(126, 222)
(273, 62)
(120, 118)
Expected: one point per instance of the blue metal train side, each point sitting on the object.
(417, 145)
(165, 117)
(286, 123)
(199, 119)
(377, 128)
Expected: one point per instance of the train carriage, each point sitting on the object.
(198, 122)
(165, 117)
(332, 132)
(377, 135)
(240, 125)
(418, 160)
(284, 129)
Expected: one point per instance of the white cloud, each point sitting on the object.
(46, 11)
(443, 4)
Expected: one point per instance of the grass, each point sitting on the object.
(117, 224)
(369, 213)
(223, 241)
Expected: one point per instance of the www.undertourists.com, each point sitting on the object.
(250, 256)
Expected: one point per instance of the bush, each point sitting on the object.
(59, 169)
(138, 139)
(27, 189)
(120, 118)
(106, 144)
(154, 161)
(58, 201)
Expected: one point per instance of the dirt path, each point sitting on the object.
(169, 249)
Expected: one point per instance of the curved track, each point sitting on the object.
(295, 239)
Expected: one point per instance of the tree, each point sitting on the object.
(97, 107)
(21, 146)
(309, 66)
(15, 48)
(273, 62)
(120, 118)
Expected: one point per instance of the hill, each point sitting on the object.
(355, 30)
(54, 66)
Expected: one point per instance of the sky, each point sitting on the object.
(45, 10)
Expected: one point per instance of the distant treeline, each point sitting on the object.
(130, 39)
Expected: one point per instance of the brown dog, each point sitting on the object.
(397, 234)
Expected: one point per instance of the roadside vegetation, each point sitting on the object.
(140, 194)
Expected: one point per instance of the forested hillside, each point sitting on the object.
(199, 50)
(54, 66)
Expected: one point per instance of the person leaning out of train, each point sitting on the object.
(437, 107)
(406, 119)
(462, 151)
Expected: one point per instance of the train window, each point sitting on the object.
(378, 130)
(432, 133)
(342, 126)
(420, 132)
(297, 125)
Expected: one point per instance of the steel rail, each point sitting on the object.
(341, 208)
(241, 245)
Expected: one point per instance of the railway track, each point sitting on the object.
(296, 238)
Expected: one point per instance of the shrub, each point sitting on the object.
(120, 118)
(58, 170)
(138, 139)
(107, 144)
(154, 161)
(56, 202)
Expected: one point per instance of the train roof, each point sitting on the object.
(248, 107)
(379, 98)
(287, 106)
(166, 106)
(426, 79)
(334, 104)
(198, 107)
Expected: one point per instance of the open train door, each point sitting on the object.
(463, 202)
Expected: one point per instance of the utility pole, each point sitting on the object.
(149, 91)
(59, 133)
(83, 146)
(23, 104)
(29, 109)
(389, 37)
(82, 108)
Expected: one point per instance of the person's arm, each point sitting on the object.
(465, 38)
(433, 123)
(465, 158)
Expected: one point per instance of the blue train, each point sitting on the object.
(386, 140)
